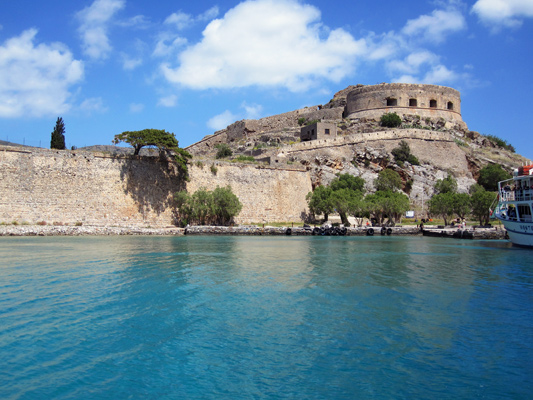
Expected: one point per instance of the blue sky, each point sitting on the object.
(192, 68)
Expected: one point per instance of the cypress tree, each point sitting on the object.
(58, 135)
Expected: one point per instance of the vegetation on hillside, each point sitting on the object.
(390, 120)
(490, 175)
(402, 153)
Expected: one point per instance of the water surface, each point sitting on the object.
(264, 317)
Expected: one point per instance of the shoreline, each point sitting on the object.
(245, 230)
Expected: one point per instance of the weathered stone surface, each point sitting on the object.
(70, 187)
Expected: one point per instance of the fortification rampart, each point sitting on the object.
(69, 187)
(248, 128)
(267, 194)
(426, 101)
(359, 138)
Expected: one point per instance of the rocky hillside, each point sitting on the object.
(363, 147)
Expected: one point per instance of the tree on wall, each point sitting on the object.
(164, 141)
(58, 135)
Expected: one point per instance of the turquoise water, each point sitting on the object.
(264, 317)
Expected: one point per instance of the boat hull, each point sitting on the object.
(520, 233)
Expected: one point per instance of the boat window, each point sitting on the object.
(524, 212)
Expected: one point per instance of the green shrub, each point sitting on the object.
(199, 164)
(203, 207)
(243, 158)
(501, 143)
(214, 169)
(402, 153)
(390, 120)
(223, 150)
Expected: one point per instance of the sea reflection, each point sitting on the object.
(247, 317)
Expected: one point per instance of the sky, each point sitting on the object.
(194, 67)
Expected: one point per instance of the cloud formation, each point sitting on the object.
(508, 13)
(94, 26)
(436, 26)
(35, 80)
(276, 43)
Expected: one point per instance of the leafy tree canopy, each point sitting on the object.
(446, 185)
(481, 203)
(490, 175)
(218, 207)
(164, 141)
(58, 135)
(442, 205)
(148, 137)
(388, 179)
(387, 204)
(347, 181)
(319, 201)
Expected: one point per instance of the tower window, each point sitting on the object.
(450, 105)
(392, 102)
(433, 103)
(413, 103)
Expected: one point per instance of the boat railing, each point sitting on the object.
(510, 192)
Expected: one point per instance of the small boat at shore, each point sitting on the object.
(514, 209)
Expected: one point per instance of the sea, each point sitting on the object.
(237, 317)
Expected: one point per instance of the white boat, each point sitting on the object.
(515, 200)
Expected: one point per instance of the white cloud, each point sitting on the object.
(253, 111)
(94, 25)
(180, 20)
(413, 62)
(129, 63)
(136, 107)
(168, 101)
(222, 120)
(35, 80)
(435, 27)
(266, 43)
(167, 44)
(508, 13)
(93, 104)
(209, 14)
(136, 22)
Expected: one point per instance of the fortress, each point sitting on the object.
(425, 101)
(106, 189)
(416, 102)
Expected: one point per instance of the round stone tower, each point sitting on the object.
(426, 101)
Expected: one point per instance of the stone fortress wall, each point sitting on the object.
(426, 101)
(69, 187)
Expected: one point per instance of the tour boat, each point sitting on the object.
(515, 200)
